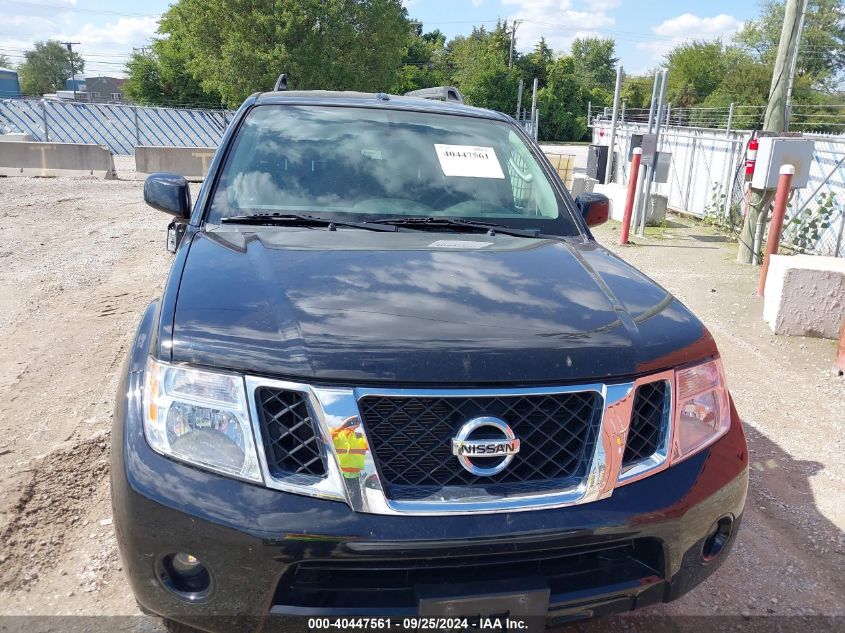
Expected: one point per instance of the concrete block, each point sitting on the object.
(55, 159)
(805, 295)
(656, 211)
(15, 137)
(579, 186)
(190, 162)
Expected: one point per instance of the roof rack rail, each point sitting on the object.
(281, 83)
(439, 93)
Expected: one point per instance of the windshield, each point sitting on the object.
(370, 164)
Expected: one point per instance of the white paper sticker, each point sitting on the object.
(468, 161)
(458, 244)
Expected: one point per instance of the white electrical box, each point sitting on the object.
(776, 151)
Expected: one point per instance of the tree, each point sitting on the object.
(480, 70)
(5, 62)
(423, 63)
(745, 83)
(536, 63)
(636, 91)
(563, 102)
(821, 56)
(236, 47)
(46, 68)
(159, 76)
(594, 61)
(695, 70)
(143, 81)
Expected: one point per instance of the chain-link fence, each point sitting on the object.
(706, 172)
(119, 127)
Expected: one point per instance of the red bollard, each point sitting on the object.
(776, 225)
(633, 177)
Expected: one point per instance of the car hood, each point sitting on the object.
(423, 308)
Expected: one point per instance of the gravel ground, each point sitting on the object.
(79, 260)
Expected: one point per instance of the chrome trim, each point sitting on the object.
(596, 485)
(328, 487)
(660, 458)
(334, 406)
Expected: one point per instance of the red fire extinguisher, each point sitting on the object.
(751, 157)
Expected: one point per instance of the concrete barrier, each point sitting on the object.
(55, 159)
(15, 137)
(190, 162)
(805, 295)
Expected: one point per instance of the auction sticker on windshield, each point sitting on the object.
(468, 161)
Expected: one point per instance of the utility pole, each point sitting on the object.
(513, 40)
(775, 121)
(534, 107)
(793, 64)
(69, 46)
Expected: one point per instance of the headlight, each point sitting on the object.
(703, 411)
(200, 417)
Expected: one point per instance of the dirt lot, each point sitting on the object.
(79, 259)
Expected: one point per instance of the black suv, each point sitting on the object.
(392, 374)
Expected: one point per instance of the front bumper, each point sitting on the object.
(273, 552)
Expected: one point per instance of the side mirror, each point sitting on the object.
(594, 208)
(169, 193)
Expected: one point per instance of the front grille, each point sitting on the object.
(291, 440)
(382, 584)
(411, 438)
(649, 422)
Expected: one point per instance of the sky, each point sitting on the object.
(644, 30)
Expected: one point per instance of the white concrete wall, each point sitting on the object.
(805, 295)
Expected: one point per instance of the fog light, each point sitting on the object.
(186, 564)
(717, 537)
(186, 576)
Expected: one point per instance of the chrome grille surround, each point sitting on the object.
(333, 406)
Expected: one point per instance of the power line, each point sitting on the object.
(72, 9)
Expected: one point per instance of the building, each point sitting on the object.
(104, 89)
(9, 86)
(94, 90)
(76, 83)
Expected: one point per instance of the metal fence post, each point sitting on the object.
(608, 175)
(731, 176)
(645, 173)
(650, 177)
(839, 237)
(44, 116)
(730, 120)
(137, 127)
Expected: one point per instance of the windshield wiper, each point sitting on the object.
(424, 223)
(291, 219)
